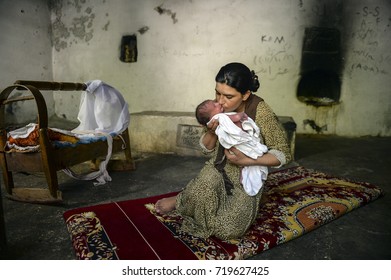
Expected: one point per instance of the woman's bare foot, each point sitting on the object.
(165, 205)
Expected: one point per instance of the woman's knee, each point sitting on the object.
(226, 233)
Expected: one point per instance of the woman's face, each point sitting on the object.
(214, 108)
(230, 98)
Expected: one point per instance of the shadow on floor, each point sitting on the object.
(38, 232)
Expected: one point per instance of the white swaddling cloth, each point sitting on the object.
(103, 110)
(246, 140)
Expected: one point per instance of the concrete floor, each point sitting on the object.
(38, 232)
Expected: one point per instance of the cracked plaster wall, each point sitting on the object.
(182, 44)
(25, 52)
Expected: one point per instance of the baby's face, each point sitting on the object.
(214, 108)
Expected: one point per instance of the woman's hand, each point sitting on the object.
(212, 125)
(209, 139)
(238, 158)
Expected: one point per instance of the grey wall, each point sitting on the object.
(25, 51)
(182, 44)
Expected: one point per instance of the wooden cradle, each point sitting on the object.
(49, 159)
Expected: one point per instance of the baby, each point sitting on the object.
(239, 130)
(209, 108)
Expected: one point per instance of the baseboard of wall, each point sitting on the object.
(178, 132)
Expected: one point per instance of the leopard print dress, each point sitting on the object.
(204, 204)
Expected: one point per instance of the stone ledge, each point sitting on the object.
(177, 132)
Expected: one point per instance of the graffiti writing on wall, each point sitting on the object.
(277, 58)
(189, 136)
(369, 36)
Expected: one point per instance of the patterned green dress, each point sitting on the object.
(204, 204)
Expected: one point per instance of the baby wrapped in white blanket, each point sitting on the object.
(248, 142)
(243, 134)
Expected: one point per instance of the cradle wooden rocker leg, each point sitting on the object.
(48, 158)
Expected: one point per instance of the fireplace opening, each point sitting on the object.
(319, 88)
(320, 69)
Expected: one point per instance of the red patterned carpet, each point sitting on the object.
(295, 201)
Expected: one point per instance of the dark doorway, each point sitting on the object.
(320, 69)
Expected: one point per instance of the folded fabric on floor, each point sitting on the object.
(295, 201)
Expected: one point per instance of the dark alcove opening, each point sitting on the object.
(319, 88)
(320, 69)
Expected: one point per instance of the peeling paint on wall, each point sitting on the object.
(106, 26)
(168, 12)
(143, 29)
(80, 29)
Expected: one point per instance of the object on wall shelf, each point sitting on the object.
(320, 83)
(129, 48)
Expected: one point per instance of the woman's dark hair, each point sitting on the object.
(238, 76)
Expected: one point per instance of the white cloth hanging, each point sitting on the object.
(246, 140)
(103, 110)
(101, 176)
